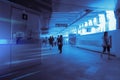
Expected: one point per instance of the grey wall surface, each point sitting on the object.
(94, 41)
(11, 22)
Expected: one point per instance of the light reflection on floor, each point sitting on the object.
(72, 64)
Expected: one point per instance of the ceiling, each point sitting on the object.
(72, 12)
(39, 5)
(67, 13)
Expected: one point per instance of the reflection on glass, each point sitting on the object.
(112, 21)
(102, 22)
(86, 24)
(99, 23)
(90, 22)
(95, 21)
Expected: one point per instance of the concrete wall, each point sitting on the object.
(94, 42)
(5, 34)
(29, 27)
(11, 22)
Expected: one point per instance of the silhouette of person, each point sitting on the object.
(107, 44)
(60, 43)
(51, 40)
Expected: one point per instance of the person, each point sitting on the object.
(60, 43)
(107, 44)
(51, 40)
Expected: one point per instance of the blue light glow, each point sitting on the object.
(105, 21)
(3, 41)
(82, 25)
(95, 21)
(9, 20)
(86, 24)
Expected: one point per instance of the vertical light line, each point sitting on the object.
(11, 9)
(39, 37)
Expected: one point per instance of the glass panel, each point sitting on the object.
(105, 21)
(111, 20)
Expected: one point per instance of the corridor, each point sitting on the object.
(28, 27)
(73, 64)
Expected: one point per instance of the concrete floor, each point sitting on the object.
(72, 64)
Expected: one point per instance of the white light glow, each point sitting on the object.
(112, 21)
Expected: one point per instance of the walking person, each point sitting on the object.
(107, 44)
(60, 43)
(51, 40)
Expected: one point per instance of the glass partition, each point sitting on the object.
(104, 21)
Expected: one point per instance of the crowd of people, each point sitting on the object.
(58, 41)
(53, 41)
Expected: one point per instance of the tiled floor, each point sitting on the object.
(72, 64)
